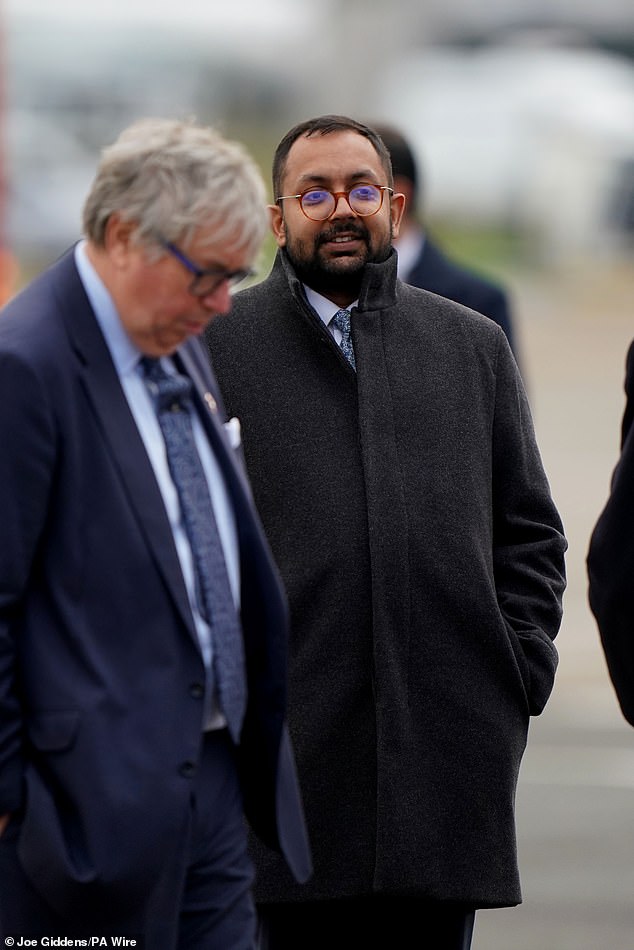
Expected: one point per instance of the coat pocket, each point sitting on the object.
(54, 730)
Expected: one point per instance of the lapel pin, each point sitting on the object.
(211, 402)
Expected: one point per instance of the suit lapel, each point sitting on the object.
(109, 404)
(212, 413)
(108, 401)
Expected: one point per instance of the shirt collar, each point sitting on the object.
(324, 308)
(125, 355)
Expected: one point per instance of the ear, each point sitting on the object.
(397, 207)
(405, 187)
(278, 225)
(118, 239)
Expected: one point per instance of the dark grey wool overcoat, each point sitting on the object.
(409, 513)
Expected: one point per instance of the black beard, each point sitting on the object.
(325, 279)
(325, 276)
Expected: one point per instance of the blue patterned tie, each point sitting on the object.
(342, 321)
(171, 395)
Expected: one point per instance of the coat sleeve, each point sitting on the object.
(611, 563)
(528, 540)
(26, 471)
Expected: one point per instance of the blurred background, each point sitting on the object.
(521, 113)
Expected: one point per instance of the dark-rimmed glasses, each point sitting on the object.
(319, 204)
(208, 279)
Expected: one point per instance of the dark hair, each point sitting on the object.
(325, 125)
(401, 154)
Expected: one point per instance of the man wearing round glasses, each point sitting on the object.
(390, 448)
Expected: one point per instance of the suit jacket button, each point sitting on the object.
(196, 691)
(188, 769)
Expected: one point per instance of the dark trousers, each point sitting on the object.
(365, 923)
(203, 901)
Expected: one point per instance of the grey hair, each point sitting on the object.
(169, 178)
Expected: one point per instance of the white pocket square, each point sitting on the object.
(233, 431)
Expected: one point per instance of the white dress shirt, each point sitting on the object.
(326, 310)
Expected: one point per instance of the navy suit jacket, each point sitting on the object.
(435, 272)
(100, 669)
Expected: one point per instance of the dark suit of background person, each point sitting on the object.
(409, 513)
(124, 813)
(611, 563)
(421, 261)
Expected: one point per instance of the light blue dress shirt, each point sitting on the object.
(126, 355)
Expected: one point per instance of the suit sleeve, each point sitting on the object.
(26, 471)
(528, 540)
(611, 563)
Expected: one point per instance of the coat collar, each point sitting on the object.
(378, 287)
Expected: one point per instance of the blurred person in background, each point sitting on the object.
(421, 262)
(143, 627)
(393, 461)
(611, 562)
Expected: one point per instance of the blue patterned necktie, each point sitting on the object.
(171, 394)
(342, 321)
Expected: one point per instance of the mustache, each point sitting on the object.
(350, 227)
